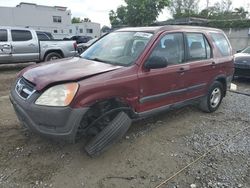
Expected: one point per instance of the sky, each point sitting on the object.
(98, 10)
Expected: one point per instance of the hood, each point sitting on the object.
(71, 69)
(242, 58)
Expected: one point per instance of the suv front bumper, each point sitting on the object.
(53, 122)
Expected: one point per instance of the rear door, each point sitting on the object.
(25, 46)
(164, 86)
(5, 47)
(202, 66)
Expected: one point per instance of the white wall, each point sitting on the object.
(238, 37)
(77, 28)
(41, 18)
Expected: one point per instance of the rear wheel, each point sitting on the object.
(52, 56)
(213, 99)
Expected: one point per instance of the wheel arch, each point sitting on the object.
(223, 80)
(118, 102)
(119, 105)
(53, 51)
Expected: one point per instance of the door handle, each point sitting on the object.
(213, 64)
(31, 44)
(182, 70)
(6, 46)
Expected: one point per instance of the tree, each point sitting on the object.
(221, 10)
(241, 12)
(137, 12)
(184, 8)
(86, 20)
(79, 20)
(76, 20)
(119, 17)
(105, 29)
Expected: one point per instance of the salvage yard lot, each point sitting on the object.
(152, 151)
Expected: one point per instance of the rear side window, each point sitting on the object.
(198, 47)
(3, 35)
(221, 43)
(42, 36)
(21, 35)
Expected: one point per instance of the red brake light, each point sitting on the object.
(75, 45)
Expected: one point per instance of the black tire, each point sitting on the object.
(80, 50)
(52, 56)
(110, 134)
(206, 103)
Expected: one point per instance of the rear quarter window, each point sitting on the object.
(42, 36)
(3, 35)
(221, 43)
(21, 35)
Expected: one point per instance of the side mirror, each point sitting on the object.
(156, 62)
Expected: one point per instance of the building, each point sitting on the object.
(56, 20)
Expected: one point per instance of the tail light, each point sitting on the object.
(75, 46)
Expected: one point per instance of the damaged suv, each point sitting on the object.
(128, 74)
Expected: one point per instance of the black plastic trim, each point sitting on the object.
(175, 92)
(169, 107)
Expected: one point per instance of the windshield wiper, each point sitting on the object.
(99, 60)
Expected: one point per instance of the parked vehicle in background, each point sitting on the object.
(83, 46)
(23, 45)
(242, 63)
(128, 74)
(43, 35)
(79, 39)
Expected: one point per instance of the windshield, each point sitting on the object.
(119, 48)
(247, 50)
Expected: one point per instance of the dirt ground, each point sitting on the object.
(183, 148)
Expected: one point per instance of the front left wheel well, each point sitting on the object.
(99, 110)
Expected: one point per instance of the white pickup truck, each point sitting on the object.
(22, 45)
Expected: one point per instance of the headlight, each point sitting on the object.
(60, 95)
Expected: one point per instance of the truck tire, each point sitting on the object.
(80, 50)
(110, 134)
(212, 100)
(52, 56)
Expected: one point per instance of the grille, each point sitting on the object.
(24, 88)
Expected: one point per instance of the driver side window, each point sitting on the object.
(170, 47)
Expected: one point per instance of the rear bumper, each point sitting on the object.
(54, 122)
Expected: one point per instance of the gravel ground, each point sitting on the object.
(168, 148)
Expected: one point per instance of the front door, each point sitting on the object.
(5, 47)
(163, 87)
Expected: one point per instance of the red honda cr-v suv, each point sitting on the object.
(127, 74)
